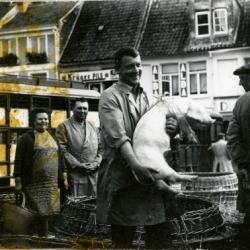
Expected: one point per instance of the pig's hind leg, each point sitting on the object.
(163, 186)
(181, 177)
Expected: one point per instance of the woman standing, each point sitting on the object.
(37, 169)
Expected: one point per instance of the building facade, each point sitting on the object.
(188, 47)
(30, 37)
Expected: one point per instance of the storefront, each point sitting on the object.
(98, 80)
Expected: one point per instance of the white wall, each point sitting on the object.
(146, 80)
(223, 86)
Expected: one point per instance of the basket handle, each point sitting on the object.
(23, 199)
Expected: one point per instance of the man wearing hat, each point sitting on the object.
(238, 136)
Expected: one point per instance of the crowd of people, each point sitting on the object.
(49, 166)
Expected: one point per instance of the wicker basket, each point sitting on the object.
(78, 217)
(198, 219)
(208, 181)
(220, 188)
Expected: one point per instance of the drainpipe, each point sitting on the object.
(144, 23)
(238, 23)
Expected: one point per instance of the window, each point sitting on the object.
(170, 79)
(42, 75)
(247, 60)
(40, 78)
(220, 21)
(37, 44)
(202, 23)
(197, 78)
(7, 46)
(96, 86)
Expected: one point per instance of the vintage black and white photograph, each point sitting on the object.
(125, 124)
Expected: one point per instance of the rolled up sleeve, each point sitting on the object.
(112, 121)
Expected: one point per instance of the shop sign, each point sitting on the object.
(104, 75)
(155, 73)
(183, 80)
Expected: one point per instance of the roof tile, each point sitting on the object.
(39, 14)
(121, 21)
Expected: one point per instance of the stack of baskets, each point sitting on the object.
(220, 188)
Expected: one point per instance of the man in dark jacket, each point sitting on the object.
(238, 136)
(123, 200)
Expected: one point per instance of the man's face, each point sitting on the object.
(245, 82)
(130, 70)
(80, 111)
(41, 122)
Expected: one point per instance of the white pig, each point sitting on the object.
(150, 140)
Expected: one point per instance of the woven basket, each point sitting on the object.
(198, 219)
(78, 217)
(212, 182)
(220, 188)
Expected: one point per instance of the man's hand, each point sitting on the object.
(89, 167)
(143, 174)
(171, 126)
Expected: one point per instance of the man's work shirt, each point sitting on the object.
(120, 199)
(79, 144)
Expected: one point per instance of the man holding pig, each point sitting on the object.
(126, 194)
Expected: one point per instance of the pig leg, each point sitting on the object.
(163, 186)
(180, 178)
(186, 131)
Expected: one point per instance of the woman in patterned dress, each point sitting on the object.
(37, 169)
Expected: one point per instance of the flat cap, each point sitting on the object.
(243, 70)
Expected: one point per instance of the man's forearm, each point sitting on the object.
(128, 154)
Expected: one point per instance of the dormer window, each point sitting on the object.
(202, 23)
(220, 21)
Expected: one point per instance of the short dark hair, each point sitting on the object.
(36, 111)
(124, 51)
(220, 135)
(79, 99)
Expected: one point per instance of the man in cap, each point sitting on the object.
(238, 136)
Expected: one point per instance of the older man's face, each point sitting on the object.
(245, 82)
(80, 111)
(130, 70)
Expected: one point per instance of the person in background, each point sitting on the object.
(238, 137)
(37, 170)
(126, 194)
(80, 149)
(222, 160)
